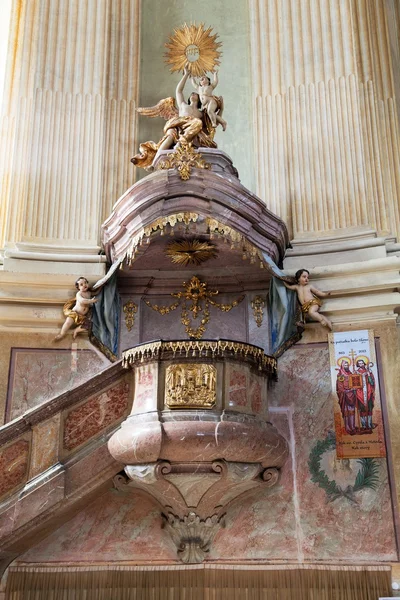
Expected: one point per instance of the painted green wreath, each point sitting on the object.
(367, 476)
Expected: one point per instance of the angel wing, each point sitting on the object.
(166, 108)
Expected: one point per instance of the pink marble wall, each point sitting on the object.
(45, 445)
(113, 528)
(356, 527)
(146, 378)
(37, 375)
(94, 415)
(14, 463)
(293, 521)
(237, 387)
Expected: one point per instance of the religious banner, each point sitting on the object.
(357, 406)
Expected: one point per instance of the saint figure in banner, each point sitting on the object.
(358, 415)
(365, 394)
(356, 394)
(346, 395)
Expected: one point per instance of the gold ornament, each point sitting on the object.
(190, 252)
(195, 45)
(199, 349)
(130, 309)
(159, 225)
(237, 240)
(163, 310)
(190, 386)
(197, 293)
(183, 158)
(258, 305)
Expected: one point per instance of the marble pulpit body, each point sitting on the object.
(194, 328)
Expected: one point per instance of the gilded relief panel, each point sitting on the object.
(190, 386)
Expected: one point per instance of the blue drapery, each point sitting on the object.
(285, 330)
(105, 319)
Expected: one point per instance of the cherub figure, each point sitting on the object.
(76, 310)
(309, 297)
(213, 105)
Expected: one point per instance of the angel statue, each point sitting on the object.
(185, 124)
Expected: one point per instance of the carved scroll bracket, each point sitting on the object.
(194, 513)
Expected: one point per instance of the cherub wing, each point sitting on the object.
(166, 108)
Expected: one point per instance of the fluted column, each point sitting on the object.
(68, 123)
(327, 130)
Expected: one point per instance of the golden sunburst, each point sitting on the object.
(195, 45)
(190, 252)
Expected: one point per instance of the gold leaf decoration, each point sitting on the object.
(190, 386)
(258, 305)
(199, 349)
(200, 296)
(195, 45)
(130, 309)
(190, 252)
(184, 158)
(162, 310)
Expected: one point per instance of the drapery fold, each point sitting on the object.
(199, 582)
(105, 318)
(283, 305)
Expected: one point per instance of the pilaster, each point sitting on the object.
(326, 124)
(68, 126)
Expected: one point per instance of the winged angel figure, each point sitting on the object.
(185, 123)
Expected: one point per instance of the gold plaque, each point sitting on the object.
(190, 386)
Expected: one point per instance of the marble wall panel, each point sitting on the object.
(113, 527)
(14, 464)
(354, 523)
(37, 375)
(296, 520)
(45, 445)
(40, 499)
(262, 526)
(7, 520)
(237, 391)
(88, 468)
(255, 395)
(94, 415)
(146, 378)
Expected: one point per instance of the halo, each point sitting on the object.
(341, 359)
(195, 45)
(364, 358)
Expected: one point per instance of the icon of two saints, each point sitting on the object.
(355, 387)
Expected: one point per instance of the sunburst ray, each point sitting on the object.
(190, 252)
(193, 36)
